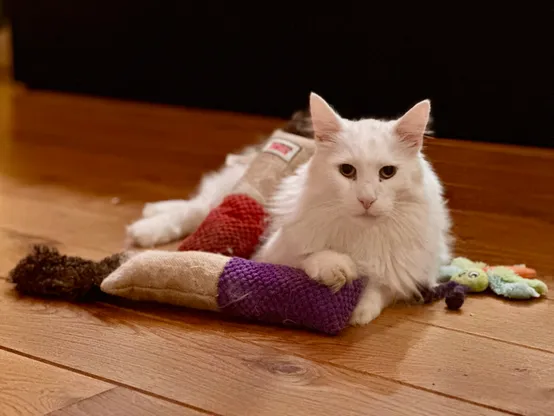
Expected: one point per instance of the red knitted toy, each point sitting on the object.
(234, 228)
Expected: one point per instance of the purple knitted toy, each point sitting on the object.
(283, 295)
(235, 286)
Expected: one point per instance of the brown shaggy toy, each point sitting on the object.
(47, 273)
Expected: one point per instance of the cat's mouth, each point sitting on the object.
(366, 214)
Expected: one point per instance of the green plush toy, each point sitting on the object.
(505, 281)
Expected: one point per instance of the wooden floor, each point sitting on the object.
(62, 161)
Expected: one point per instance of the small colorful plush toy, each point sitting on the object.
(513, 282)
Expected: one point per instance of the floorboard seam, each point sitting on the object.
(461, 331)
(107, 380)
(403, 383)
(79, 401)
(177, 323)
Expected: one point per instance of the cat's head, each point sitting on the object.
(367, 167)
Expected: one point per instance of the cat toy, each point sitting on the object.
(235, 227)
(233, 286)
(512, 282)
(463, 276)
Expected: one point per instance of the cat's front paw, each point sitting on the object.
(369, 307)
(364, 313)
(331, 269)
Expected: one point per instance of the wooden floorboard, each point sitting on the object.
(120, 401)
(409, 352)
(64, 158)
(408, 349)
(195, 365)
(29, 387)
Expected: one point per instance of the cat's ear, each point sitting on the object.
(327, 123)
(411, 127)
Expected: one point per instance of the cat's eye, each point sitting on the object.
(387, 172)
(347, 170)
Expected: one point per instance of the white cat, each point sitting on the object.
(366, 204)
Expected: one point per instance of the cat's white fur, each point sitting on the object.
(166, 221)
(322, 223)
(393, 231)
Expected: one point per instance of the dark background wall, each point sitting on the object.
(488, 72)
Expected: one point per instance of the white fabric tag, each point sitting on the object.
(278, 145)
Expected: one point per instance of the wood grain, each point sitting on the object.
(452, 358)
(120, 401)
(50, 220)
(29, 387)
(474, 368)
(64, 157)
(192, 364)
(525, 323)
(498, 239)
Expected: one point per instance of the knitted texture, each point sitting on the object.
(284, 295)
(452, 292)
(233, 228)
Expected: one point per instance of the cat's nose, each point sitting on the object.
(366, 202)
